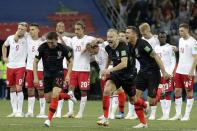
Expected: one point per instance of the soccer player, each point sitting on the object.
(52, 54)
(80, 75)
(145, 31)
(60, 29)
(122, 74)
(148, 76)
(185, 72)
(16, 62)
(167, 55)
(33, 42)
(121, 97)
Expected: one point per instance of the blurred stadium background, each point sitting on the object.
(99, 15)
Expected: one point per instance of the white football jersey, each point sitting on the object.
(65, 40)
(104, 44)
(81, 59)
(153, 41)
(18, 52)
(187, 48)
(32, 46)
(101, 59)
(167, 56)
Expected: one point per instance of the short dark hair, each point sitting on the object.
(34, 24)
(81, 23)
(134, 29)
(184, 25)
(163, 33)
(52, 35)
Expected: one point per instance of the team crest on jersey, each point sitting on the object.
(137, 52)
(59, 53)
(117, 53)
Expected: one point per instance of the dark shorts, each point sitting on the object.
(148, 80)
(127, 84)
(53, 81)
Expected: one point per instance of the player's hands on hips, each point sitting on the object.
(5, 59)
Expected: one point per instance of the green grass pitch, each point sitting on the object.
(88, 123)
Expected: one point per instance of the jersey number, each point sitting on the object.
(33, 48)
(84, 84)
(187, 83)
(17, 47)
(182, 50)
(78, 48)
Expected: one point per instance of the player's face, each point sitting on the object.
(52, 43)
(60, 28)
(95, 49)
(144, 34)
(21, 30)
(122, 36)
(33, 30)
(112, 38)
(130, 35)
(162, 39)
(79, 31)
(183, 32)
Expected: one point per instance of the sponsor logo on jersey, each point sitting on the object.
(59, 53)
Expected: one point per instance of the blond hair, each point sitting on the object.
(113, 30)
(144, 27)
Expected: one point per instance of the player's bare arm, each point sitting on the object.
(70, 65)
(4, 53)
(108, 62)
(35, 70)
(175, 49)
(123, 64)
(160, 63)
(191, 73)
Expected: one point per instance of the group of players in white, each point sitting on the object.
(23, 48)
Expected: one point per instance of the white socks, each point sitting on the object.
(20, 98)
(168, 106)
(189, 105)
(13, 100)
(70, 104)
(42, 105)
(31, 101)
(82, 105)
(110, 105)
(178, 106)
(163, 106)
(59, 108)
(153, 111)
(114, 105)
